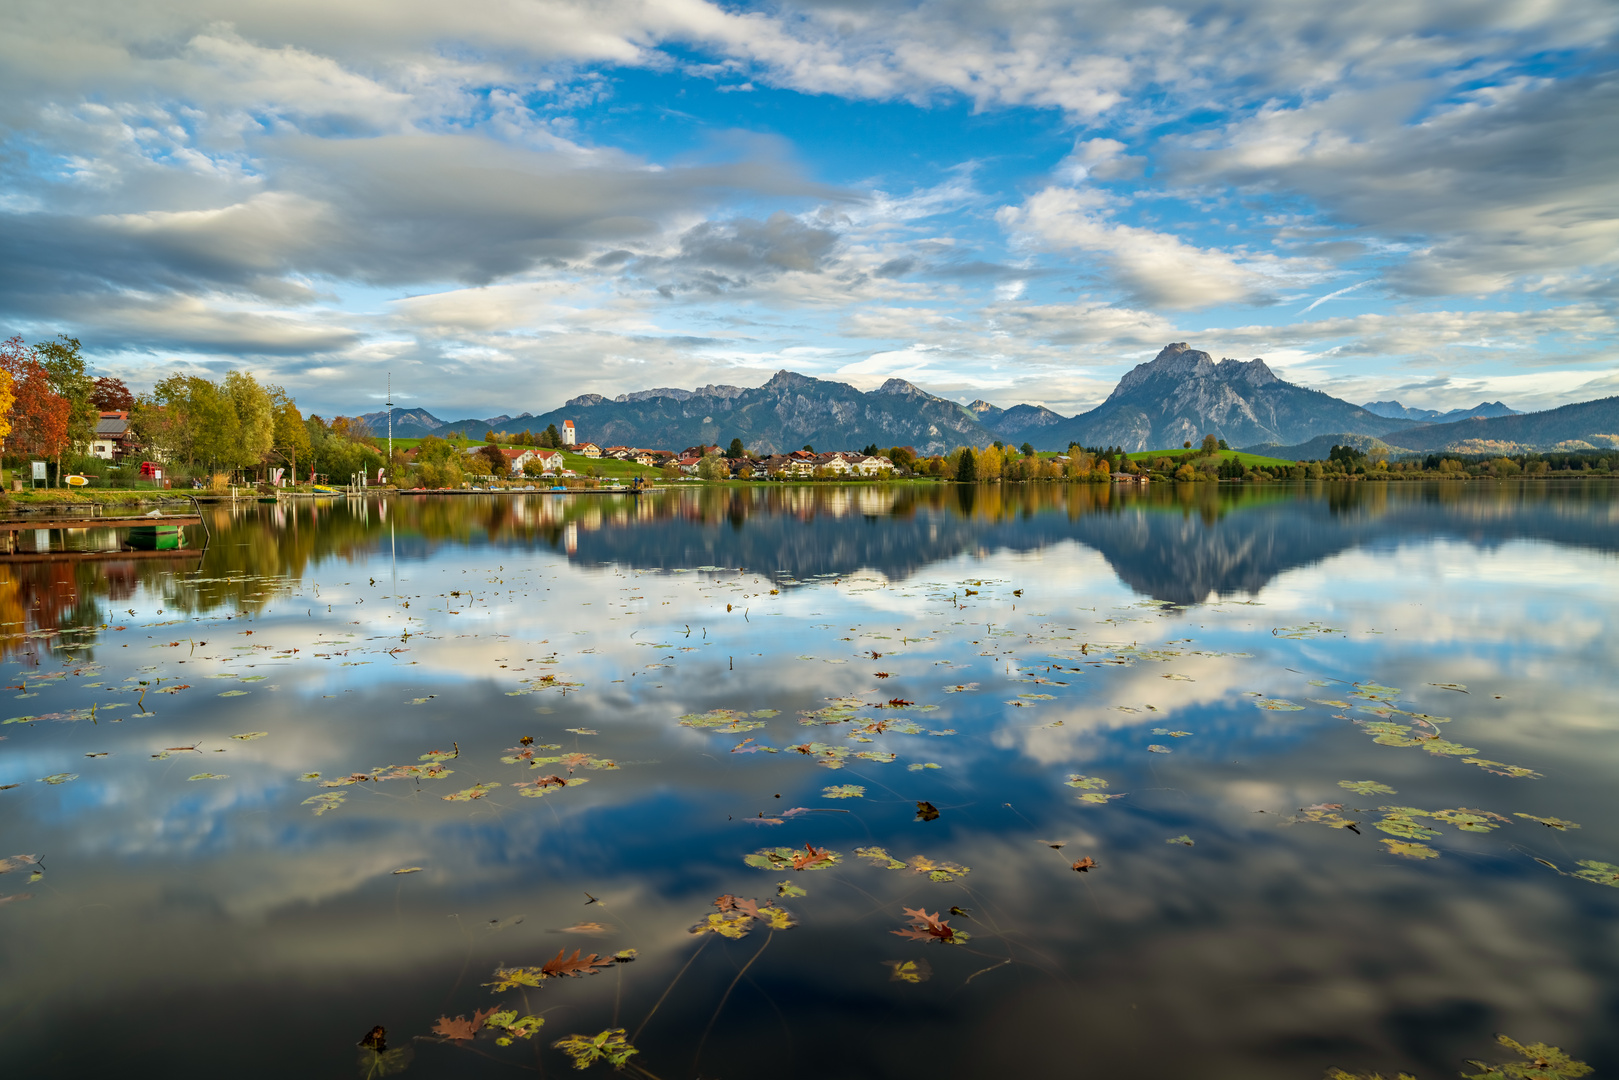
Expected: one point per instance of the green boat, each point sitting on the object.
(156, 538)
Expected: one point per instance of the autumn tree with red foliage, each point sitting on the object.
(111, 395)
(39, 416)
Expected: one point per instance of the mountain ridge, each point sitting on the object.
(1181, 394)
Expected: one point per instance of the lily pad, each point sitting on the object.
(843, 791)
(1600, 872)
(330, 800)
(1410, 851)
(1550, 822)
(209, 776)
(1367, 787)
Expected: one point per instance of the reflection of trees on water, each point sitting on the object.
(1181, 543)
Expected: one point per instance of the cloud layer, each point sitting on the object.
(547, 198)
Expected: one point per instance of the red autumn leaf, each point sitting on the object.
(571, 761)
(550, 781)
(726, 902)
(899, 703)
(575, 965)
(1084, 864)
(925, 927)
(461, 1029)
(880, 674)
(812, 856)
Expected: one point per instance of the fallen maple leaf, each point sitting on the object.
(376, 1039)
(1084, 864)
(899, 703)
(461, 1029)
(880, 674)
(574, 965)
(812, 856)
(926, 927)
(926, 811)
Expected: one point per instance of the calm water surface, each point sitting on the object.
(1176, 686)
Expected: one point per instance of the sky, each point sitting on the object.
(504, 204)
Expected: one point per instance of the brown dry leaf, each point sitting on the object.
(575, 965)
(461, 1029)
(1084, 864)
(585, 928)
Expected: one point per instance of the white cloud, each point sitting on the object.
(1155, 269)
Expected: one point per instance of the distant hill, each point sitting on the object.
(1183, 394)
(1395, 410)
(1318, 448)
(1595, 423)
(1020, 423)
(788, 412)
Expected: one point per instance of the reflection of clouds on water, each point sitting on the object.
(1274, 950)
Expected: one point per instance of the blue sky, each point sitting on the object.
(510, 204)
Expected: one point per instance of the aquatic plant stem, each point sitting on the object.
(727, 997)
(670, 987)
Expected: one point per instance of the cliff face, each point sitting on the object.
(1182, 394)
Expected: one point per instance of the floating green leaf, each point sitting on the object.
(1600, 872)
(1477, 821)
(1367, 787)
(1550, 822)
(476, 791)
(1501, 769)
(59, 778)
(1411, 851)
(609, 1046)
(535, 789)
(787, 888)
(514, 1026)
(1172, 734)
(786, 858)
(1098, 799)
(330, 800)
(249, 735)
(209, 776)
(908, 971)
(1541, 1062)
(843, 791)
(1277, 705)
(1374, 691)
(723, 721)
(1157, 749)
(1339, 1074)
(1088, 783)
(880, 855)
(1182, 839)
(234, 693)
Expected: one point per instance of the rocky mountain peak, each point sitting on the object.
(1254, 373)
(900, 386)
(1176, 361)
(787, 380)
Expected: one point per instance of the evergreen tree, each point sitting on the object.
(967, 467)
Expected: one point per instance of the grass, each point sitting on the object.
(1177, 453)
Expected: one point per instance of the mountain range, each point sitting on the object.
(1434, 416)
(1180, 395)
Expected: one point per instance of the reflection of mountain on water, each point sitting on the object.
(1179, 546)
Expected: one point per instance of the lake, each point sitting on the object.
(793, 782)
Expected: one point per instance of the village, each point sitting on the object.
(712, 462)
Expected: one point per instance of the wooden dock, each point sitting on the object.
(6, 559)
(25, 524)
